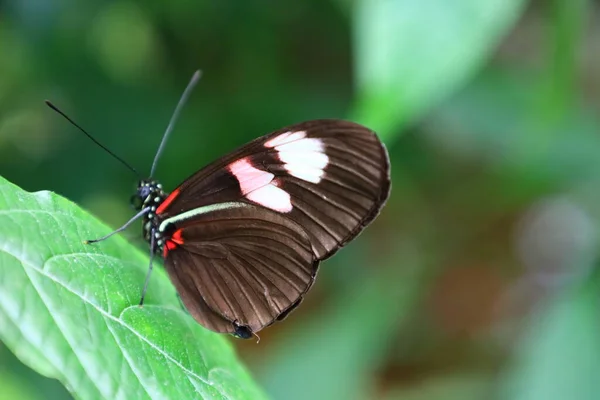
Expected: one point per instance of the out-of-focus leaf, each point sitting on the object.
(558, 356)
(69, 311)
(124, 42)
(457, 386)
(495, 121)
(14, 388)
(411, 53)
(20, 382)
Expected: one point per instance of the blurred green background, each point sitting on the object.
(478, 281)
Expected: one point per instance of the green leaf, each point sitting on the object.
(409, 54)
(69, 311)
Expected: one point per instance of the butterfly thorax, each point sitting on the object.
(150, 195)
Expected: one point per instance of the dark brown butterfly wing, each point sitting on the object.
(353, 187)
(341, 180)
(245, 234)
(240, 264)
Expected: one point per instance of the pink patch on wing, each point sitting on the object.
(259, 186)
(271, 197)
(249, 178)
(284, 138)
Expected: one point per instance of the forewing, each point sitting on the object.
(331, 177)
(246, 264)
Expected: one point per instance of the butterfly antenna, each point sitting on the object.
(180, 104)
(52, 106)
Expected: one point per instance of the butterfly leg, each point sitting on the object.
(152, 251)
(125, 226)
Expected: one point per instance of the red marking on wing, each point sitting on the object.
(167, 201)
(173, 242)
(177, 238)
(168, 247)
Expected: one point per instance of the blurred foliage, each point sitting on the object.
(479, 279)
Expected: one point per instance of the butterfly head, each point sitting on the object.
(149, 193)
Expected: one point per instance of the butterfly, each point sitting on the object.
(243, 237)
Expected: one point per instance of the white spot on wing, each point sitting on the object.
(304, 159)
(306, 174)
(304, 145)
(285, 137)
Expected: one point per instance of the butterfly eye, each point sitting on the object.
(136, 202)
